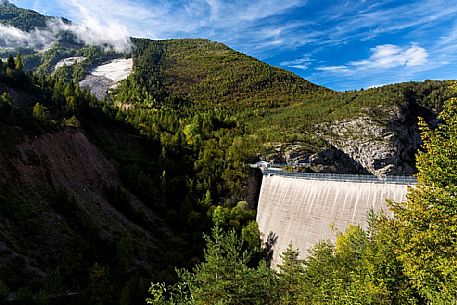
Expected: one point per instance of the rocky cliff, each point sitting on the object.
(373, 131)
(382, 147)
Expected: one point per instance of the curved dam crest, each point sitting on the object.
(302, 212)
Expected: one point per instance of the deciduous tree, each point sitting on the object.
(428, 221)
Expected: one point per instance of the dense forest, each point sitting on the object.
(179, 172)
(190, 167)
(410, 259)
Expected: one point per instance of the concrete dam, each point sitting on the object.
(302, 209)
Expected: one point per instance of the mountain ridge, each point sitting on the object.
(202, 74)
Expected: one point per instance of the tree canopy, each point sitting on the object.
(427, 223)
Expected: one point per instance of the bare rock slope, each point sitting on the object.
(107, 76)
(382, 147)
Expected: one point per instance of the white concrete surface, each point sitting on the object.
(302, 212)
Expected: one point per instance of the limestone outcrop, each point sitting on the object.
(381, 146)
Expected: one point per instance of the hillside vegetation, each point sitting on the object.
(210, 73)
(86, 204)
(23, 19)
(410, 259)
(272, 106)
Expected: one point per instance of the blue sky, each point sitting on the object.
(343, 45)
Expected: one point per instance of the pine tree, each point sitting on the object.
(2, 69)
(207, 201)
(224, 277)
(290, 276)
(41, 113)
(6, 105)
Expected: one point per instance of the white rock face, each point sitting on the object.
(70, 61)
(107, 76)
(116, 70)
(382, 147)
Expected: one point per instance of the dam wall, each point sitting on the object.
(302, 210)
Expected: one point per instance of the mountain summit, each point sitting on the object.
(6, 3)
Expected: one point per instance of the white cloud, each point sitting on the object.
(335, 69)
(233, 22)
(359, 20)
(391, 56)
(98, 29)
(239, 23)
(11, 37)
(300, 63)
(94, 33)
(376, 86)
(383, 57)
(93, 30)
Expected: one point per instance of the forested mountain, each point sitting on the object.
(210, 73)
(23, 19)
(282, 114)
(100, 197)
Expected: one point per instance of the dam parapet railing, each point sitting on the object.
(402, 180)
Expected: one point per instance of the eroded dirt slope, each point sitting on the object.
(59, 194)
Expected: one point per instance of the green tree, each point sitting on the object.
(41, 113)
(2, 69)
(72, 122)
(220, 215)
(224, 277)
(98, 285)
(251, 236)
(124, 253)
(290, 275)
(10, 63)
(58, 92)
(6, 105)
(19, 66)
(207, 201)
(427, 222)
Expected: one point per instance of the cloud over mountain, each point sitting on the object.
(92, 32)
(11, 37)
